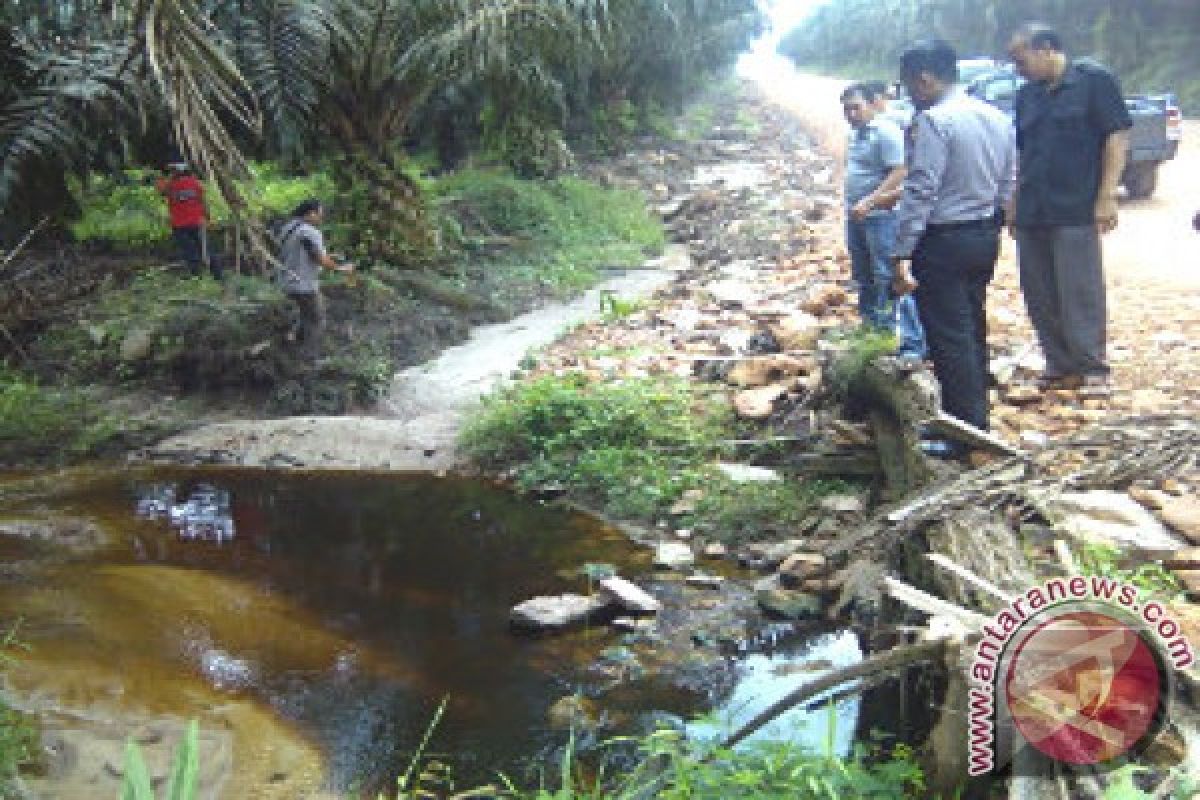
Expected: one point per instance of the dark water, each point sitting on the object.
(398, 589)
(351, 605)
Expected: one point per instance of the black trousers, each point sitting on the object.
(195, 249)
(953, 267)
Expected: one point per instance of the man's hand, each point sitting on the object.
(903, 281)
(861, 209)
(1106, 213)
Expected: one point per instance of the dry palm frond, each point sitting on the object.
(199, 83)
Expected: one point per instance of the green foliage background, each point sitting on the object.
(1152, 45)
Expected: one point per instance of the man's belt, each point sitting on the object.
(994, 222)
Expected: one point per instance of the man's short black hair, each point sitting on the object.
(1041, 36)
(307, 207)
(855, 90)
(874, 89)
(934, 56)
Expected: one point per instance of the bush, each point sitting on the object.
(185, 335)
(670, 767)
(36, 421)
(19, 739)
(563, 229)
(126, 211)
(633, 449)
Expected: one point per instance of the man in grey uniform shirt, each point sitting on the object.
(874, 168)
(960, 177)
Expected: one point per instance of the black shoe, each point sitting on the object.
(943, 449)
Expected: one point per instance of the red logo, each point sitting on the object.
(1084, 688)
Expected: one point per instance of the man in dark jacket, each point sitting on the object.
(1072, 133)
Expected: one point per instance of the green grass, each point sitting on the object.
(36, 420)
(19, 739)
(555, 233)
(669, 767)
(632, 448)
(699, 120)
(858, 348)
(1152, 578)
(126, 211)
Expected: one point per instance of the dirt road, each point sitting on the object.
(1152, 263)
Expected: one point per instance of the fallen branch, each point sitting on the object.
(970, 577)
(964, 432)
(893, 659)
(12, 254)
(913, 597)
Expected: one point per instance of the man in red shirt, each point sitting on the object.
(189, 218)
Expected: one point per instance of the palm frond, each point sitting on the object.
(283, 48)
(200, 84)
(64, 100)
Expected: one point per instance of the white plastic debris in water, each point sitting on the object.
(225, 671)
(205, 514)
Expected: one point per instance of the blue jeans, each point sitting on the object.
(870, 245)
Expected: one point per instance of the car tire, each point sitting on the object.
(1141, 180)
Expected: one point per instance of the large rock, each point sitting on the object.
(549, 613)
(630, 596)
(1111, 518)
(673, 555)
(789, 604)
(763, 370)
(800, 567)
(798, 331)
(573, 712)
(1183, 515)
(758, 403)
(136, 345)
(844, 504)
(732, 293)
(768, 555)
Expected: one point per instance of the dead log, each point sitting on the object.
(899, 400)
(955, 428)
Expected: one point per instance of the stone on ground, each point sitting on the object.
(630, 596)
(549, 613)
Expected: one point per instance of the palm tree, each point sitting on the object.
(355, 71)
(360, 70)
(77, 81)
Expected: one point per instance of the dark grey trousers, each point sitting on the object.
(1062, 279)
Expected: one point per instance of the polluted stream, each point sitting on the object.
(347, 608)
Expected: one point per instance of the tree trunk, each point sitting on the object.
(391, 224)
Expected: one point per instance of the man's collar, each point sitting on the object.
(1071, 75)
